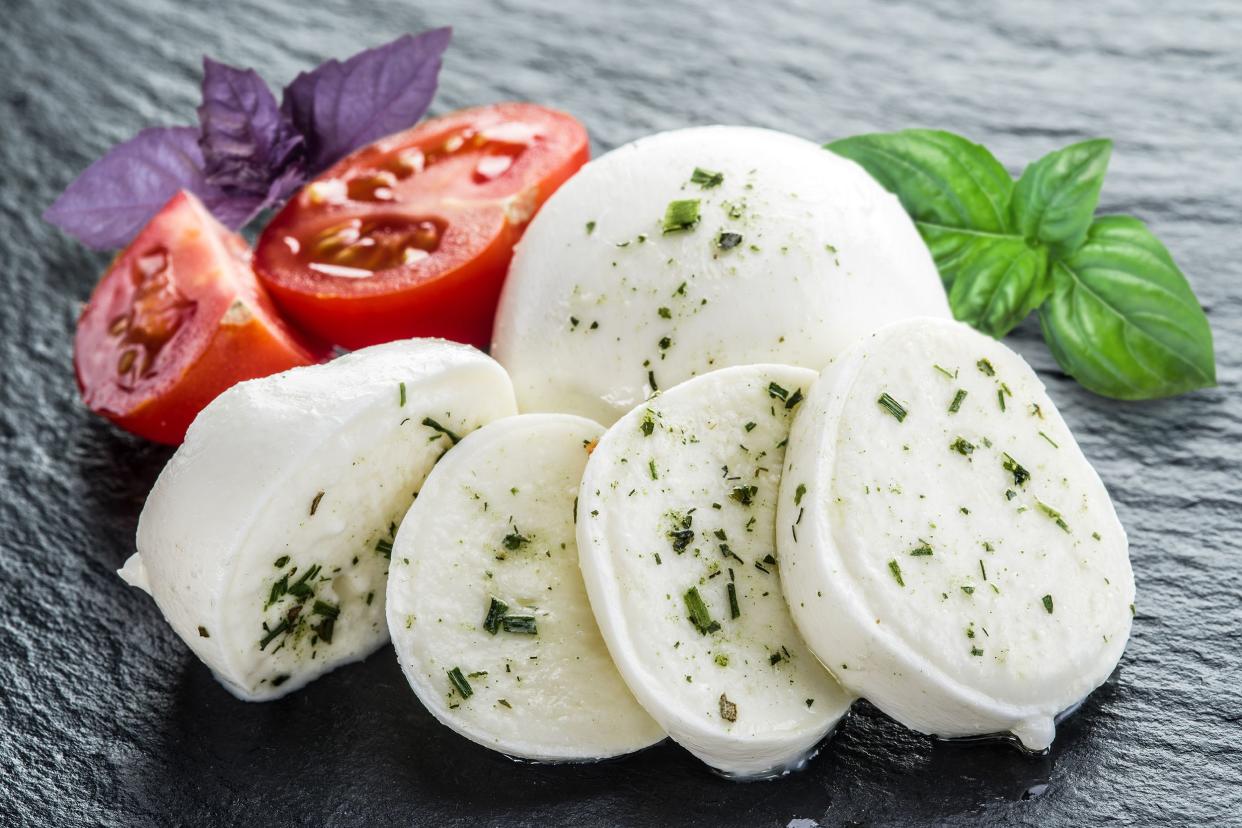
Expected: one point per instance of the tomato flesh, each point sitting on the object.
(177, 318)
(412, 235)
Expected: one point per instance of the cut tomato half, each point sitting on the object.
(177, 318)
(412, 235)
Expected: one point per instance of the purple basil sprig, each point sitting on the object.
(248, 153)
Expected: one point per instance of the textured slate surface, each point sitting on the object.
(106, 719)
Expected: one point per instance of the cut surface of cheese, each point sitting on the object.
(949, 552)
(487, 608)
(675, 533)
(266, 539)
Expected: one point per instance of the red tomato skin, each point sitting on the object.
(453, 298)
(246, 340)
(459, 305)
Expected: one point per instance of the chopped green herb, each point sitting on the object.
(749, 427)
(799, 493)
(664, 313)
(1053, 514)
(647, 426)
(651, 381)
(1047, 599)
(384, 547)
(1000, 398)
(681, 535)
(434, 426)
(324, 629)
(401, 389)
(664, 343)
(278, 589)
(459, 683)
(945, 371)
(282, 627)
(515, 539)
(302, 588)
(281, 561)
(202, 631)
(892, 406)
(956, 405)
(699, 616)
(921, 551)
(1020, 474)
(776, 392)
(983, 570)
(721, 660)
(314, 507)
(521, 624)
(590, 227)
(728, 241)
(326, 609)
(1049, 439)
(794, 399)
(706, 178)
(975, 651)
(682, 214)
(986, 367)
(969, 590)
(1010, 494)
(495, 612)
(895, 568)
(651, 467)
(744, 495)
(734, 610)
(962, 446)
(504, 703)
(728, 710)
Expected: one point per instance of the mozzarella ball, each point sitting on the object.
(699, 249)
(675, 535)
(951, 554)
(486, 604)
(266, 539)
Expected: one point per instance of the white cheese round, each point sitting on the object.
(487, 608)
(796, 253)
(675, 534)
(950, 553)
(265, 540)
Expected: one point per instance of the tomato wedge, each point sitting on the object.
(177, 318)
(412, 235)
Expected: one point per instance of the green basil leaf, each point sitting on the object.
(941, 178)
(1122, 319)
(1056, 196)
(996, 280)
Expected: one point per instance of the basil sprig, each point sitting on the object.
(1115, 310)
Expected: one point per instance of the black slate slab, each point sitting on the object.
(106, 718)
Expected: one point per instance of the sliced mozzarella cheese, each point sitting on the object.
(796, 252)
(949, 552)
(265, 541)
(675, 536)
(487, 608)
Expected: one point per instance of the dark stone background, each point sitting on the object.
(107, 719)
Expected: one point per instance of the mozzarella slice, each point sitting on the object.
(950, 553)
(795, 253)
(486, 605)
(265, 541)
(675, 535)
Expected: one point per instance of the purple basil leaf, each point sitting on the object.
(339, 107)
(247, 143)
(113, 198)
